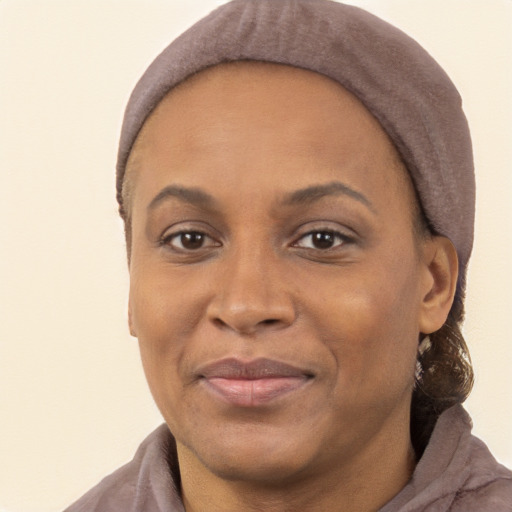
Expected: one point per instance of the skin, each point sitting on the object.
(308, 256)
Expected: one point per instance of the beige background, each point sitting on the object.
(73, 400)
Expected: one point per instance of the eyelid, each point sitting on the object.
(182, 228)
(331, 226)
(168, 238)
(342, 239)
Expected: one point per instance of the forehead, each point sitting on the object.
(273, 90)
(268, 110)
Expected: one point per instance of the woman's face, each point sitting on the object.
(277, 284)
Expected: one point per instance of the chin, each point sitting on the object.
(258, 457)
(263, 470)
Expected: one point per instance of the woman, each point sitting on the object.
(297, 187)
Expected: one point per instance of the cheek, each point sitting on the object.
(369, 324)
(161, 323)
(164, 314)
(165, 306)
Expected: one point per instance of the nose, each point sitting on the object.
(251, 295)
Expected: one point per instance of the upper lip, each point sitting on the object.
(262, 368)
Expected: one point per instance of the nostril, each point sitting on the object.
(219, 323)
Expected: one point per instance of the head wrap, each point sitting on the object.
(395, 78)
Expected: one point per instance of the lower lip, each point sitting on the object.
(254, 392)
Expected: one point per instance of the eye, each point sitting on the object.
(189, 241)
(322, 240)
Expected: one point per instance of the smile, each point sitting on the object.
(254, 383)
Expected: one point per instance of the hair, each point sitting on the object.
(126, 198)
(444, 374)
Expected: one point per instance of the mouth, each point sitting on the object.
(253, 383)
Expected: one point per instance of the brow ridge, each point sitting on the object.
(334, 188)
(307, 195)
(192, 195)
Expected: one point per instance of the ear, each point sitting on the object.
(130, 319)
(441, 271)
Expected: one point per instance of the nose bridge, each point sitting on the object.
(251, 290)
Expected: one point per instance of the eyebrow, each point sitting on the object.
(307, 195)
(190, 195)
(316, 192)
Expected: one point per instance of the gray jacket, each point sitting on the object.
(456, 473)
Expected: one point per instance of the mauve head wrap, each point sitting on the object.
(397, 80)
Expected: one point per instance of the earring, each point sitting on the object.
(422, 348)
(424, 345)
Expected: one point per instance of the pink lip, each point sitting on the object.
(249, 384)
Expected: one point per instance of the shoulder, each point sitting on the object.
(457, 473)
(139, 485)
(488, 485)
(118, 487)
(496, 496)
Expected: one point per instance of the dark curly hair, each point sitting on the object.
(444, 374)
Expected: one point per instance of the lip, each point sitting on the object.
(253, 383)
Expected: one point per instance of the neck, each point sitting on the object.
(364, 483)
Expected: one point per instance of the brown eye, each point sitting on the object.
(321, 240)
(192, 240)
(189, 241)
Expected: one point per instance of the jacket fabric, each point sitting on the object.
(456, 473)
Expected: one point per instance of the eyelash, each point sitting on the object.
(324, 235)
(167, 239)
(341, 239)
